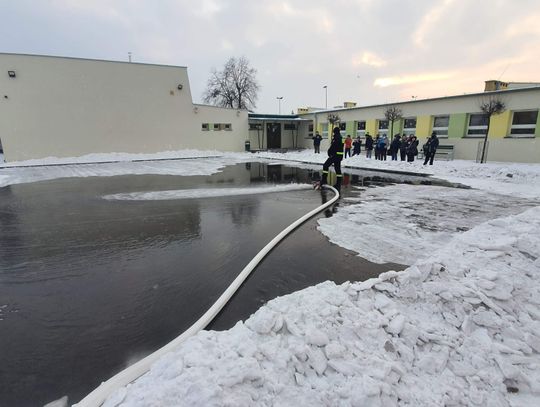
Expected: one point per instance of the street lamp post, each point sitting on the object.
(279, 98)
(325, 87)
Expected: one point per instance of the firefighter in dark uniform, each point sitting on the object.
(335, 155)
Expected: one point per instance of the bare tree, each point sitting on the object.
(490, 107)
(235, 86)
(392, 114)
(333, 119)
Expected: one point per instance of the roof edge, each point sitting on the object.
(91, 59)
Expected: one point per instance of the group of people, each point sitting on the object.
(405, 146)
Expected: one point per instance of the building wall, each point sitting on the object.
(222, 140)
(70, 107)
(502, 146)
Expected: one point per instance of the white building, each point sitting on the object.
(63, 107)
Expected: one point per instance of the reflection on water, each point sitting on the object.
(88, 285)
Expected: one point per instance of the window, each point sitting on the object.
(324, 128)
(289, 126)
(310, 130)
(383, 128)
(254, 126)
(440, 125)
(205, 127)
(361, 128)
(217, 127)
(227, 126)
(478, 124)
(524, 123)
(342, 126)
(409, 126)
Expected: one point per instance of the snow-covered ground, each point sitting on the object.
(104, 165)
(404, 223)
(460, 326)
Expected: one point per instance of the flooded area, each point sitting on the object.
(89, 285)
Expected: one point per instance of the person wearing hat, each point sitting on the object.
(335, 155)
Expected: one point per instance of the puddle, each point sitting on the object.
(89, 285)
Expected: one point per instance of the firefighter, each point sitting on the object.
(335, 155)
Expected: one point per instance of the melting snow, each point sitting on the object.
(205, 193)
(461, 327)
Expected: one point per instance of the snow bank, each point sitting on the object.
(200, 166)
(460, 328)
(405, 223)
(111, 157)
(205, 192)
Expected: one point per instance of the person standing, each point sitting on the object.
(357, 146)
(394, 147)
(369, 145)
(377, 143)
(403, 148)
(412, 149)
(348, 145)
(382, 143)
(317, 142)
(335, 155)
(432, 144)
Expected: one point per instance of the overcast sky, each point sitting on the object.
(366, 51)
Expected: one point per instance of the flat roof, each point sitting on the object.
(277, 119)
(485, 93)
(91, 59)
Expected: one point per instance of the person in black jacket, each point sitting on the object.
(317, 142)
(357, 146)
(430, 148)
(369, 145)
(412, 149)
(403, 147)
(335, 155)
(394, 147)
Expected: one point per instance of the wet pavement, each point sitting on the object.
(88, 286)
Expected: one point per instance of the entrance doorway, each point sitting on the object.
(273, 135)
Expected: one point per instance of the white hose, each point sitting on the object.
(133, 372)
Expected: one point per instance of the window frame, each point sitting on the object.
(205, 126)
(473, 130)
(383, 131)
(529, 126)
(287, 126)
(359, 131)
(342, 128)
(441, 131)
(324, 129)
(409, 131)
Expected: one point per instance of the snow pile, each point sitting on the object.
(404, 223)
(205, 192)
(111, 157)
(462, 328)
(200, 166)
